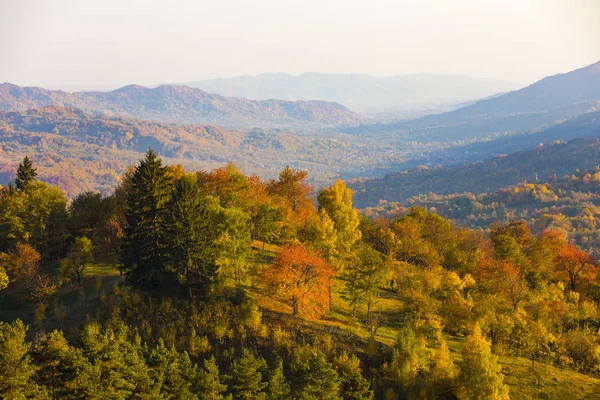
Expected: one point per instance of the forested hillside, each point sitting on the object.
(216, 285)
(81, 151)
(182, 105)
(545, 160)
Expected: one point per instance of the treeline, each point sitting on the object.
(204, 254)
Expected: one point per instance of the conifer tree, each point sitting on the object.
(353, 385)
(209, 384)
(246, 380)
(25, 174)
(314, 376)
(145, 247)
(172, 372)
(191, 254)
(278, 388)
(16, 368)
(480, 374)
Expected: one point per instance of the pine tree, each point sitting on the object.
(172, 372)
(353, 385)
(145, 246)
(209, 386)
(16, 368)
(480, 374)
(278, 388)
(314, 377)
(189, 237)
(247, 382)
(25, 174)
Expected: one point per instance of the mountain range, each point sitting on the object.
(550, 100)
(360, 92)
(184, 105)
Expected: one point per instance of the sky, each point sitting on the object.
(102, 44)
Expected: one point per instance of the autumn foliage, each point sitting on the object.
(302, 277)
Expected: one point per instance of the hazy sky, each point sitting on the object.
(108, 43)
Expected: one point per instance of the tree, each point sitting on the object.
(16, 368)
(278, 388)
(575, 263)
(247, 380)
(25, 174)
(172, 372)
(3, 279)
(337, 202)
(302, 276)
(79, 255)
(314, 376)
(266, 223)
(209, 384)
(189, 236)
(36, 216)
(145, 246)
(353, 385)
(480, 374)
(234, 242)
(363, 276)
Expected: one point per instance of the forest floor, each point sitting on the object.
(525, 381)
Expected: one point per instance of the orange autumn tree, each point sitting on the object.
(302, 277)
(576, 264)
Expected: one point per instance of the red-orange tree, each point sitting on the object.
(302, 276)
(575, 263)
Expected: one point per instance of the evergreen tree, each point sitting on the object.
(278, 388)
(25, 174)
(314, 377)
(189, 236)
(246, 381)
(480, 374)
(145, 245)
(353, 385)
(209, 386)
(172, 372)
(16, 368)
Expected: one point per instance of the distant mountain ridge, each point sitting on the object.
(181, 104)
(360, 92)
(552, 99)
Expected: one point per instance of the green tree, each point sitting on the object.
(78, 257)
(314, 376)
(247, 380)
(233, 243)
(190, 237)
(363, 276)
(480, 374)
(278, 388)
(172, 372)
(25, 174)
(16, 368)
(145, 245)
(209, 384)
(353, 385)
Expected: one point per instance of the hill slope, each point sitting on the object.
(549, 100)
(180, 104)
(502, 170)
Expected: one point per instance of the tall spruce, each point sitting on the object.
(25, 173)
(189, 237)
(144, 253)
